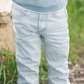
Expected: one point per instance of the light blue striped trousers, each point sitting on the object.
(31, 28)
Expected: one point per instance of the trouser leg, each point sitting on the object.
(28, 45)
(28, 54)
(56, 55)
(56, 49)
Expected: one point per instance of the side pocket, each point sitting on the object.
(61, 14)
(17, 12)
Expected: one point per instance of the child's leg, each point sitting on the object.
(28, 45)
(56, 47)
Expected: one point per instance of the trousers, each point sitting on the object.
(31, 28)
